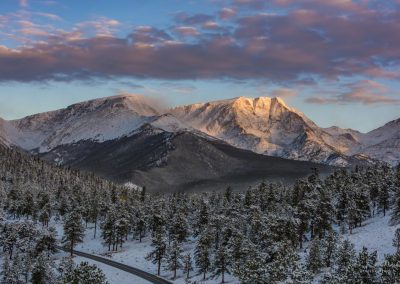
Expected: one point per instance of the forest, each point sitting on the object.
(270, 233)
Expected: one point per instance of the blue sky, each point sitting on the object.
(337, 61)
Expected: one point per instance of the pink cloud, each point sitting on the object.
(227, 13)
(366, 92)
(23, 3)
(284, 93)
(187, 31)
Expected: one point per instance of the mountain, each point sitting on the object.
(268, 126)
(381, 144)
(127, 138)
(99, 120)
(124, 138)
(175, 161)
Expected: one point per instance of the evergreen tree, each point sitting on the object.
(42, 272)
(384, 198)
(396, 240)
(222, 263)
(74, 231)
(11, 272)
(390, 269)
(345, 256)
(314, 260)
(173, 257)
(365, 269)
(329, 247)
(159, 248)
(202, 253)
(84, 273)
(187, 265)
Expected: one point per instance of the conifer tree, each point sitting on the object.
(329, 247)
(187, 265)
(314, 259)
(159, 248)
(173, 257)
(396, 240)
(222, 263)
(345, 256)
(42, 272)
(84, 273)
(384, 198)
(74, 231)
(390, 269)
(202, 253)
(364, 269)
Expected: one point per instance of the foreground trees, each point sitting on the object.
(256, 235)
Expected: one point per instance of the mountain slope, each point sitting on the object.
(99, 120)
(267, 126)
(383, 143)
(173, 161)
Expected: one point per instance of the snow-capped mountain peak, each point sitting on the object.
(263, 125)
(99, 120)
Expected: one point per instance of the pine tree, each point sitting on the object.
(108, 228)
(329, 247)
(12, 271)
(314, 260)
(345, 256)
(202, 219)
(222, 263)
(396, 240)
(42, 272)
(173, 257)
(46, 242)
(159, 248)
(299, 275)
(202, 253)
(384, 198)
(66, 269)
(74, 231)
(85, 273)
(390, 269)
(365, 269)
(187, 265)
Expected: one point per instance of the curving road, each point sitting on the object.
(132, 270)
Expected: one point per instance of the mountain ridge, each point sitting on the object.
(263, 125)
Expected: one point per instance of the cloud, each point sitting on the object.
(178, 88)
(99, 26)
(309, 39)
(210, 25)
(193, 20)
(227, 13)
(283, 93)
(187, 31)
(365, 92)
(255, 4)
(23, 3)
(50, 16)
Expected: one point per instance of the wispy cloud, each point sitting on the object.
(23, 3)
(365, 92)
(284, 93)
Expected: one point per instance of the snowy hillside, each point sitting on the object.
(382, 143)
(267, 126)
(262, 125)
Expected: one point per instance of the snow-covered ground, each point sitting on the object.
(375, 234)
(133, 253)
(113, 275)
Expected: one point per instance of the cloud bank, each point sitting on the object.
(277, 41)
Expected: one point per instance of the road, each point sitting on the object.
(132, 270)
